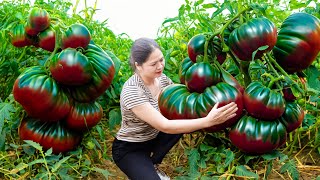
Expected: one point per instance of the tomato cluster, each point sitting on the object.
(203, 84)
(60, 100)
(267, 110)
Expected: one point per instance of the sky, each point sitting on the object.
(137, 18)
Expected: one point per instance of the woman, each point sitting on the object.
(146, 136)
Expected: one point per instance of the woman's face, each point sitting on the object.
(154, 65)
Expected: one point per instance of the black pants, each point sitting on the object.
(137, 159)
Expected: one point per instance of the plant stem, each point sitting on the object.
(244, 68)
(234, 59)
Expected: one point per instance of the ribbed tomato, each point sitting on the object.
(38, 20)
(49, 135)
(19, 37)
(247, 38)
(176, 102)
(255, 136)
(71, 67)
(47, 39)
(77, 35)
(40, 95)
(102, 76)
(200, 76)
(263, 103)
(292, 116)
(298, 42)
(83, 116)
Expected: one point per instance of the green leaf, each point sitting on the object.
(262, 48)
(290, 167)
(104, 172)
(48, 152)
(242, 171)
(170, 20)
(114, 118)
(313, 75)
(58, 164)
(268, 171)
(34, 144)
(271, 155)
(2, 141)
(229, 157)
(5, 109)
(193, 159)
(37, 161)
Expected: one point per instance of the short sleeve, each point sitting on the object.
(132, 96)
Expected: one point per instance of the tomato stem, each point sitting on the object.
(296, 86)
(223, 44)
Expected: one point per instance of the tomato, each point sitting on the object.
(49, 135)
(102, 76)
(254, 136)
(77, 35)
(247, 38)
(40, 95)
(196, 47)
(71, 67)
(176, 102)
(292, 116)
(19, 38)
(47, 39)
(288, 94)
(38, 19)
(84, 116)
(298, 42)
(200, 76)
(263, 103)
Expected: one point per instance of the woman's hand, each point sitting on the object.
(220, 115)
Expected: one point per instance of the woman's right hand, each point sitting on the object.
(220, 115)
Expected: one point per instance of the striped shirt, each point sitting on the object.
(135, 93)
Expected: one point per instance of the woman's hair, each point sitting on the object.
(141, 50)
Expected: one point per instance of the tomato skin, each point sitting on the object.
(254, 136)
(40, 95)
(185, 65)
(49, 135)
(47, 39)
(102, 76)
(292, 116)
(71, 67)
(298, 42)
(196, 46)
(247, 38)
(200, 76)
(176, 102)
(84, 116)
(39, 19)
(263, 103)
(77, 35)
(19, 37)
